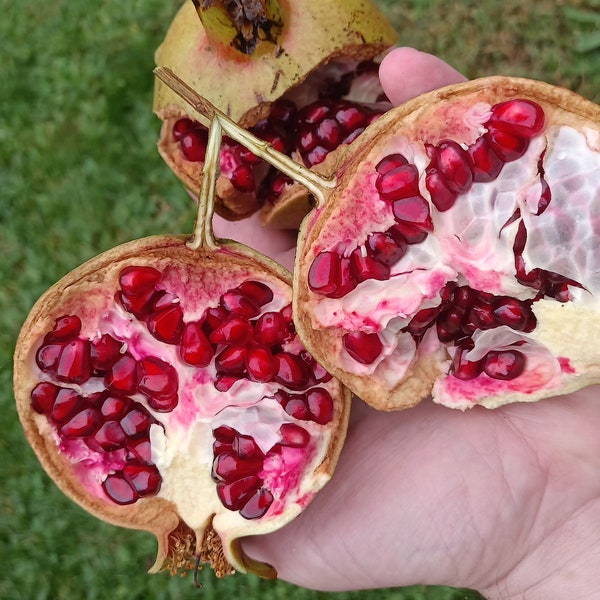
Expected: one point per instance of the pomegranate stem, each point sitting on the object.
(316, 184)
(203, 236)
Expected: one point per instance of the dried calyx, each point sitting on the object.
(454, 255)
(308, 88)
(163, 387)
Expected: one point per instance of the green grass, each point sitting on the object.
(79, 173)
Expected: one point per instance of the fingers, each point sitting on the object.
(406, 73)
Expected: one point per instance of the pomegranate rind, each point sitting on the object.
(214, 535)
(562, 328)
(313, 34)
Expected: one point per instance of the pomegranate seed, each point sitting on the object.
(283, 111)
(136, 423)
(213, 317)
(316, 156)
(223, 383)
(235, 331)
(86, 422)
(74, 364)
(65, 328)
(231, 360)
(47, 357)
(193, 144)
(271, 329)
(350, 118)
(291, 371)
(119, 490)
(363, 347)
(507, 146)
(257, 291)
(260, 364)
(409, 232)
(514, 313)
(136, 281)
(230, 467)
(295, 406)
(122, 376)
(114, 407)
(365, 267)
(329, 134)
(109, 438)
(465, 369)
(386, 248)
(520, 117)
(245, 447)
(486, 164)
(331, 275)
(144, 479)
(481, 315)
(67, 403)
(413, 210)
(442, 197)
(449, 325)
(104, 352)
(43, 397)
(235, 494)
(159, 382)
(390, 162)
(307, 139)
(294, 436)
(140, 450)
(224, 433)
(238, 303)
(257, 505)
(453, 164)
(182, 126)
(320, 405)
(314, 113)
(504, 364)
(400, 182)
(195, 349)
(242, 178)
(166, 324)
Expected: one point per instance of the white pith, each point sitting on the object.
(471, 245)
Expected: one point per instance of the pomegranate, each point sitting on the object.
(455, 252)
(163, 387)
(308, 84)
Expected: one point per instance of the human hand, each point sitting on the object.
(506, 501)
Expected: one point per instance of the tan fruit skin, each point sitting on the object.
(242, 86)
(177, 543)
(325, 344)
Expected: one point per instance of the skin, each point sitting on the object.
(505, 501)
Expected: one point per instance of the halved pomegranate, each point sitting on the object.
(307, 84)
(163, 387)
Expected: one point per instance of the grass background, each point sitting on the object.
(79, 173)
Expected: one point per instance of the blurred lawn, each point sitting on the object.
(79, 173)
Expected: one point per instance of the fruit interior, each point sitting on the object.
(174, 381)
(331, 107)
(467, 238)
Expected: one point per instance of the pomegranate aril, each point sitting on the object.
(140, 450)
(291, 371)
(144, 479)
(119, 490)
(196, 349)
(109, 437)
(390, 162)
(231, 360)
(465, 369)
(271, 329)
(409, 232)
(84, 423)
(238, 303)
(449, 325)
(223, 383)
(442, 196)
(43, 397)
(159, 382)
(245, 447)
(230, 467)
(243, 179)
(504, 364)
(295, 406)
(363, 347)
(225, 434)
(136, 423)
(236, 493)
(399, 182)
(104, 352)
(235, 331)
(365, 267)
(166, 324)
(257, 291)
(74, 364)
(320, 405)
(258, 504)
(193, 144)
(453, 164)
(65, 328)
(114, 407)
(385, 247)
(507, 146)
(316, 156)
(486, 164)
(520, 117)
(514, 313)
(260, 364)
(329, 134)
(213, 317)
(47, 357)
(294, 436)
(182, 126)
(67, 403)
(324, 273)
(122, 376)
(282, 111)
(413, 210)
(138, 280)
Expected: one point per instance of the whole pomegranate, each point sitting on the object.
(458, 253)
(163, 387)
(301, 75)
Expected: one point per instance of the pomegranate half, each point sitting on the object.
(458, 254)
(163, 387)
(309, 85)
